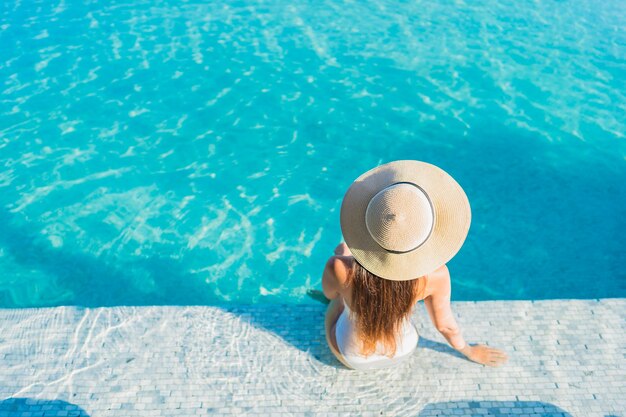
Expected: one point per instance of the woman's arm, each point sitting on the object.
(440, 311)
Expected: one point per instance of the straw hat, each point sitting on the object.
(404, 219)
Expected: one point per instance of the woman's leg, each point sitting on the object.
(332, 314)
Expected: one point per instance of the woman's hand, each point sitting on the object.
(342, 249)
(437, 303)
(484, 355)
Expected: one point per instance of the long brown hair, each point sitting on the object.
(380, 305)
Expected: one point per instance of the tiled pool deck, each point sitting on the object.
(566, 357)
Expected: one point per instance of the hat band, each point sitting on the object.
(432, 226)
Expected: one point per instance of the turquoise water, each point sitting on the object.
(179, 152)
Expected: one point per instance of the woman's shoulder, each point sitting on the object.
(435, 279)
(342, 264)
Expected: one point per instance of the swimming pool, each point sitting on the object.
(189, 153)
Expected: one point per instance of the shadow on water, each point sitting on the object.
(39, 407)
(493, 409)
(438, 347)
(300, 326)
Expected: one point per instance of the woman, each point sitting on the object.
(401, 221)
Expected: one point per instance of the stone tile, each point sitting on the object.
(566, 359)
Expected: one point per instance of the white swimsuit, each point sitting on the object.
(349, 344)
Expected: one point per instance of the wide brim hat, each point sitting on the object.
(404, 219)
